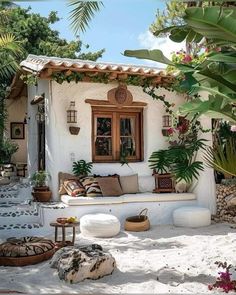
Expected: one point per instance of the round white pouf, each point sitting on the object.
(192, 216)
(99, 225)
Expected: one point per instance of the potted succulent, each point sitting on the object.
(41, 191)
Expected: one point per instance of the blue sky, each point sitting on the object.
(120, 25)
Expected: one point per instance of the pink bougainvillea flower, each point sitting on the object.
(233, 128)
(187, 58)
(170, 131)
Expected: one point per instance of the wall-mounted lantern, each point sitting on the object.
(72, 113)
(166, 121)
(40, 115)
(166, 124)
(72, 118)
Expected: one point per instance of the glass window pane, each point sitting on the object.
(103, 126)
(103, 146)
(127, 126)
(127, 146)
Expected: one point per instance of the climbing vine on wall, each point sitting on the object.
(148, 83)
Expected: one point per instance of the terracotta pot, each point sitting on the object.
(42, 196)
(41, 188)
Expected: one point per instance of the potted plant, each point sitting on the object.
(82, 168)
(41, 191)
(179, 160)
(7, 149)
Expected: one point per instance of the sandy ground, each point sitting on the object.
(164, 260)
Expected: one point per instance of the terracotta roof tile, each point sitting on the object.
(36, 64)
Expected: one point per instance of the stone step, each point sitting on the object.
(22, 213)
(15, 193)
(21, 230)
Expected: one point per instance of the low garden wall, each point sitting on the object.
(225, 203)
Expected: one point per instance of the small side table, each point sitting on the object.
(63, 242)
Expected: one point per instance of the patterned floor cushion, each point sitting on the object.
(25, 251)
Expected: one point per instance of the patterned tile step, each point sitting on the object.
(18, 226)
(22, 213)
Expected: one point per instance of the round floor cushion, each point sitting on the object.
(192, 216)
(25, 251)
(99, 225)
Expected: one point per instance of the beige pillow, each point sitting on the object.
(129, 184)
(110, 186)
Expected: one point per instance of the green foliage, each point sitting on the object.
(40, 178)
(7, 149)
(215, 73)
(222, 157)
(179, 160)
(171, 16)
(82, 13)
(37, 36)
(155, 55)
(82, 168)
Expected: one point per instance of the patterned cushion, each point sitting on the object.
(26, 246)
(74, 188)
(63, 177)
(91, 186)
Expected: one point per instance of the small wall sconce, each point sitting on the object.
(72, 118)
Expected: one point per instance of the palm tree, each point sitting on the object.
(10, 50)
(82, 12)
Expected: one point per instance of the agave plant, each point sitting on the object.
(82, 168)
(222, 157)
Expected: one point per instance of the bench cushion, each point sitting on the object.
(128, 198)
(90, 200)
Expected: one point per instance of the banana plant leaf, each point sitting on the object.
(215, 22)
(226, 98)
(212, 108)
(155, 55)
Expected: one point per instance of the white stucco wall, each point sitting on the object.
(16, 113)
(62, 148)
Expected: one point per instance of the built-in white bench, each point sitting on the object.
(160, 205)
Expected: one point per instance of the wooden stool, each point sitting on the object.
(63, 242)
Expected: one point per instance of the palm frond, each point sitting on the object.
(159, 160)
(82, 13)
(9, 43)
(186, 171)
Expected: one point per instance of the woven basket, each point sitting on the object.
(138, 223)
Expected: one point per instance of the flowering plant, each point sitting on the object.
(224, 279)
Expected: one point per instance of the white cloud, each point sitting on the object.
(148, 41)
